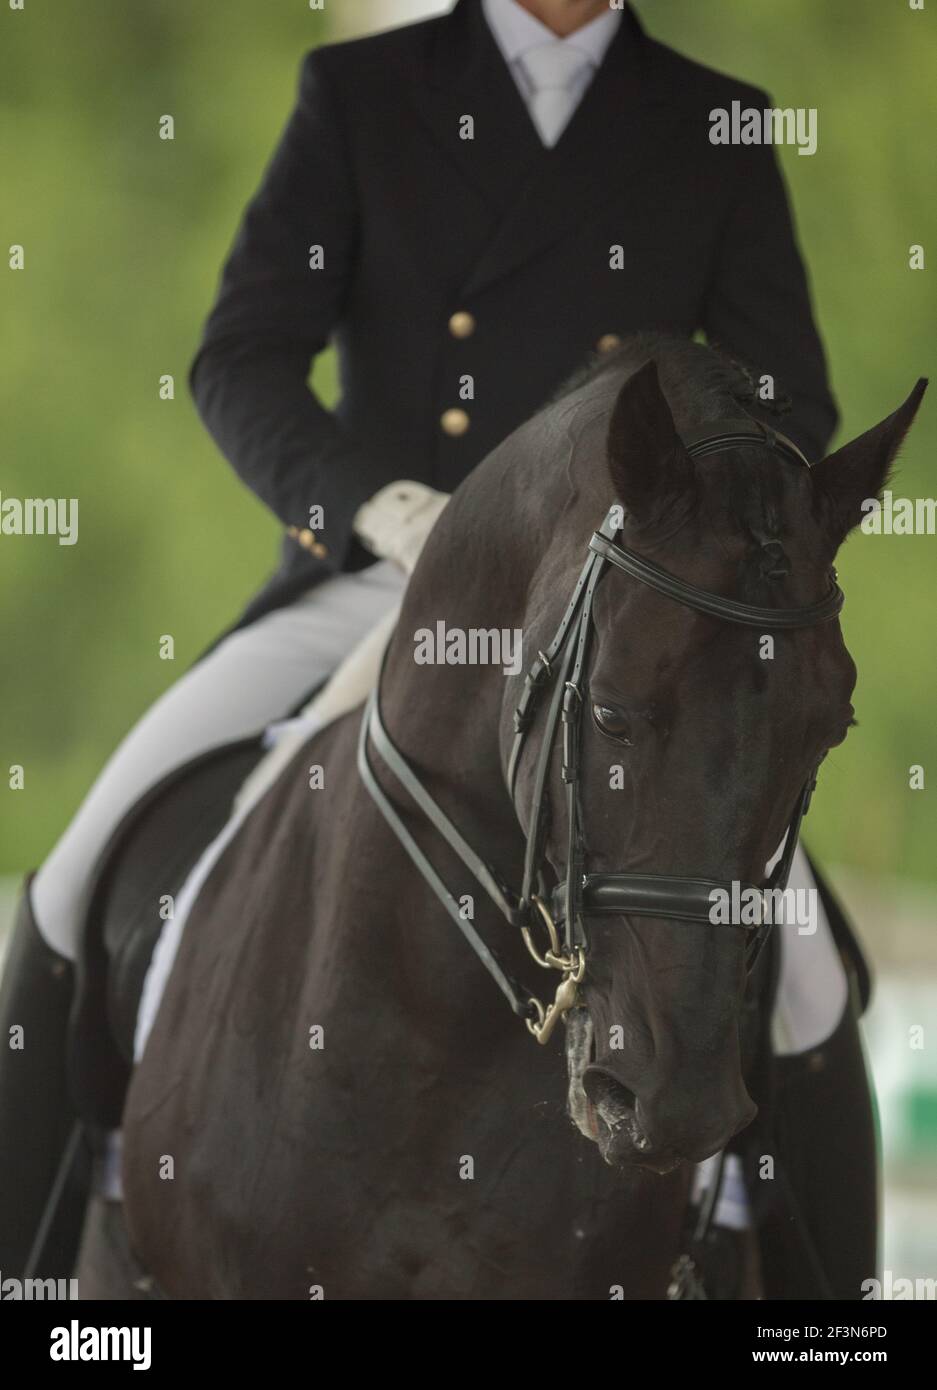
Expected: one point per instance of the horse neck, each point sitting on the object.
(446, 720)
(476, 574)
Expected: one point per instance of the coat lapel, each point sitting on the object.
(511, 198)
(465, 75)
(610, 136)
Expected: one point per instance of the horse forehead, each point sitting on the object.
(747, 499)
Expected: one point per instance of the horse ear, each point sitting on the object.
(647, 463)
(858, 471)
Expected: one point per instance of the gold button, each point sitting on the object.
(307, 539)
(455, 421)
(462, 324)
(608, 342)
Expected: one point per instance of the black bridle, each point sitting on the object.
(562, 666)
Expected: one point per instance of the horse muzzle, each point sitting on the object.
(659, 1126)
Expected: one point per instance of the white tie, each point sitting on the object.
(552, 69)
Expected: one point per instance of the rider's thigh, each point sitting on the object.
(256, 675)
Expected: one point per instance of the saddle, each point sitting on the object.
(148, 856)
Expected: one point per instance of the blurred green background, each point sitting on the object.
(125, 235)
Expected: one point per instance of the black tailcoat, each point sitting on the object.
(417, 224)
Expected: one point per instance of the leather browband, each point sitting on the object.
(728, 609)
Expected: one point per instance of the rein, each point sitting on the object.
(563, 910)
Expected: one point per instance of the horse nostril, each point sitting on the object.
(665, 1126)
(610, 1096)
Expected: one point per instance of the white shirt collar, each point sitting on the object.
(516, 31)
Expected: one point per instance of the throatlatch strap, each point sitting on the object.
(542, 671)
(536, 830)
(572, 726)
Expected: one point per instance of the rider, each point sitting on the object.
(468, 206)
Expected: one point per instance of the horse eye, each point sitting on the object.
(612, 722)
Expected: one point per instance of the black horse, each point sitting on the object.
(334, 1096)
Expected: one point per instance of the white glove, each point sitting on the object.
(395, 522)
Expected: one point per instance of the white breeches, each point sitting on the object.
(252, 678)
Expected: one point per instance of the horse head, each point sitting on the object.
(689, 740)
(697, 737)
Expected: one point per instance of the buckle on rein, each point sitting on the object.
(573, 968)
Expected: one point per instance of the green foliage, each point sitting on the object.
(125, 235)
